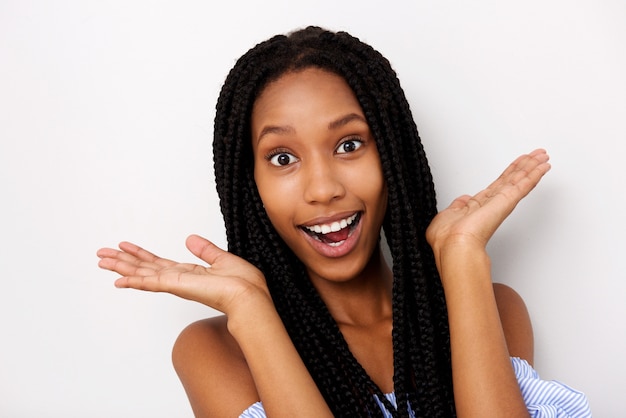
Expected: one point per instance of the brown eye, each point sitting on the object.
(282, 159)
(350, 145)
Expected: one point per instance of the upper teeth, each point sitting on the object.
(332, 227)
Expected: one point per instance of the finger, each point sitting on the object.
(529, 172)
(131, 259)
(124, 268)
(538, 152)
(149, 283)
(204, 249)
(519, 178)
(143, 254)
(187, 281)
(460, 202)
(107, 253)
(522, 164)
(535, 159)
(529, 166)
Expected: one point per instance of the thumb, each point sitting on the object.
(203, 248)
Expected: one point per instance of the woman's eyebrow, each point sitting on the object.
(274, 129)
(288, 129)
(344, 120)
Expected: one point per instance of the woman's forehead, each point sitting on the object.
(298, 97)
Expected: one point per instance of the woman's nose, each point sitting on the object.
(323, 183)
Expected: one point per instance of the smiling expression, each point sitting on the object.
(318, 172)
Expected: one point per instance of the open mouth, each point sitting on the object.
(334, 233)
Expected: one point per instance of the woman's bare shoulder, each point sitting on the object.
(515, 320)
(213, 370)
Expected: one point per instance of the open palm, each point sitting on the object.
(226, 279)
(475, 218)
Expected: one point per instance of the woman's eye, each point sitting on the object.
(350, 145)
(282, 159)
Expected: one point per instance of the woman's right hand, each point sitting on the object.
(227, 279)
(238, 289)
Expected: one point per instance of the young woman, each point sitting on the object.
(316, 153)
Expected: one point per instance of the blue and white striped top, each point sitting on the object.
(543, 398)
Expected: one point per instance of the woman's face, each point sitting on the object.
(318, 172)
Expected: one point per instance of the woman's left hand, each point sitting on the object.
(472, 220)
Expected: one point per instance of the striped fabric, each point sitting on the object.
(543, 398)
(547, 399)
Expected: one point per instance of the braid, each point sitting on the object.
(422, 372)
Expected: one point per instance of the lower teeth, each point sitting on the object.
(332, 244)
(336, 244)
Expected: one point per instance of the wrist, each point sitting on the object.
(460, 243)
(253, 313)
(463, 247)
(463, 263)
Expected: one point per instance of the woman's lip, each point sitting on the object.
(335, 251)
(328, 219)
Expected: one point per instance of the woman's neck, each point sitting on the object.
(364, 300)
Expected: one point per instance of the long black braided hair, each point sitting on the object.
(422, 371)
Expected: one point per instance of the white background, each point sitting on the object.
(106, 113)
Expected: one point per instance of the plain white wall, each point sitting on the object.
(106, 115)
